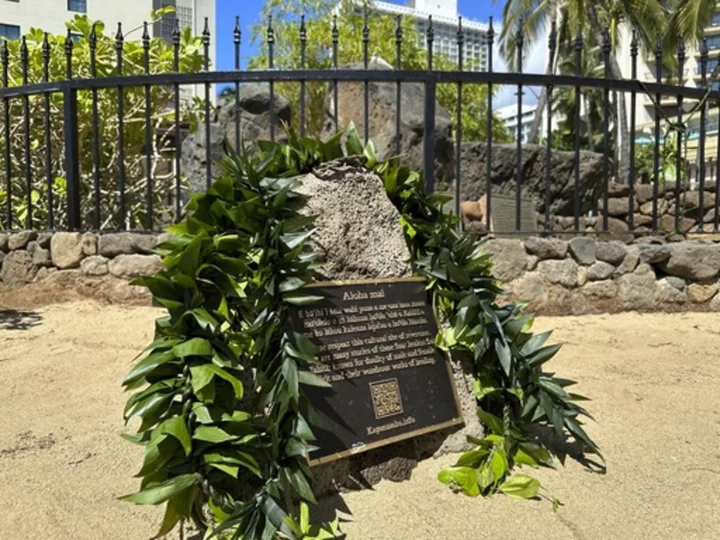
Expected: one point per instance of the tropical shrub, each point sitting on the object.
(219, 394)
(43, 196)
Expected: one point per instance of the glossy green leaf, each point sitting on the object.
(163, 492)
(520, 486)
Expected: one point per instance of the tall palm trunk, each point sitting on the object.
(549, 70)
(622, 141)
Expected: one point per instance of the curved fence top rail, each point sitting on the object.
(361, 75)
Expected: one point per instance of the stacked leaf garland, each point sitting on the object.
(219, 393)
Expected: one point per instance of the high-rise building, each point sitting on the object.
(445, 24)
(18, 16)
(509, 113)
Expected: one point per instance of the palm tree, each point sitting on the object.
(672, 19)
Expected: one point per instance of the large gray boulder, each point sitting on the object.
(358, 233)
(382, 99)
(473, 184)
(254, 114)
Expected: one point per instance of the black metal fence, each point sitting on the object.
(19, 172)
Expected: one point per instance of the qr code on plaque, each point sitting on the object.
(386, 398)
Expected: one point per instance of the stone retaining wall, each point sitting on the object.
(30, 256)
(555, 276)
(584, 276)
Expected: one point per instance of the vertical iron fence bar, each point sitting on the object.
(178, 140)
(656, 156)
(271, 66)
(26, 134)
(6, 134)
(578, 90)
(458, 127)
(633, 99)
(335, 40)
(607, 49)
(490, 37)
(237, 37)
(716, 220)
(70, 128)
(366, 63)
(208, 135)
(429, 165)
(119, 40)
(149, 150)
(552, 45)
(47, 126)
(518, 152)
(303, 46)
(96, 138)
(703, 128)
(398, 94)
(680, 133)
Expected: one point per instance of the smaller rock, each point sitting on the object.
(44, 273)
(653, 253)
(600, 289)
(600, 270)
(144, 243)
(582, 275)
(645, 192)
(546, 248)
(164, 237)
(127, 266)
(714, 304)
(583, 249)
(629, 264)
(17, 267)
(532, 261)
(637, 290)
(113, 244)
(20, 240)
(89, 244)
(41, 257)
(471, 210)
(4, 242)
(667, 293)
(509, 258)
(617, 229)
(43, 239)
(562, 272)
(618, 190)
(678, 283)
(647, 208)
(95, 265)
(620, 206)
(693, 261)
(66, 249)
(611, 252)
(699, 293)
(66, 277)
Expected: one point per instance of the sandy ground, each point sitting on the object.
(654, 380)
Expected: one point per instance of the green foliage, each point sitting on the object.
(219, 393)
(162, 116)
(223, 417)
(668, 151)
(350, 50)
(513, 389)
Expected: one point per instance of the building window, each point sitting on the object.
(77, 5)
(9, 31)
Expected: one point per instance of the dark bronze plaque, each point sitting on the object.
(504, 214)
(376, 343)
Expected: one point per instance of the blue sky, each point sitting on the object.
(249, 10)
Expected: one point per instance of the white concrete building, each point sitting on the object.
(509, 113)
(445, 24)
(18, 16)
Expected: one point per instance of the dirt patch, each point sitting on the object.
(653, 380)
(71, 286)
